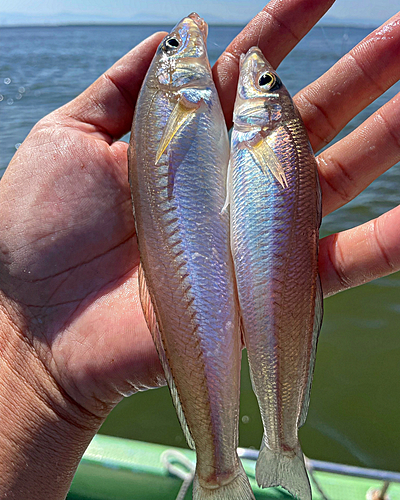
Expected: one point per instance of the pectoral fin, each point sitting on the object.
(264, 155)
(181, 114)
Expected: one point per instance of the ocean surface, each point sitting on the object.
(354, 414)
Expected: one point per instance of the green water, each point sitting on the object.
(355, 403)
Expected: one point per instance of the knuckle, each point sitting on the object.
(336, 177)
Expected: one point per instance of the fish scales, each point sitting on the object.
(275, 216)
(178, 157)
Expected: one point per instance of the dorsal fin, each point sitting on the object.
(316, 329)
(152, 324)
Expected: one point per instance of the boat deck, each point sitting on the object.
(120, 469)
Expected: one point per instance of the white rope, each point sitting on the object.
(376, 494)
(176, 462)
(310, 471)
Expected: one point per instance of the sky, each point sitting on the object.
(162, 11)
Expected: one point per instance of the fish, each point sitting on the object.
(178, 157)
(274, 200)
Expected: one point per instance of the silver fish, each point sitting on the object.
(275, 216)
(178, 157)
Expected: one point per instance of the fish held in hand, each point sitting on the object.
(178, 158)
(275, 206)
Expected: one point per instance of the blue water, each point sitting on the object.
(355, 409)
(43, 68)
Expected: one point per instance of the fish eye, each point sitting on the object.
(267, 81)
(171, 43)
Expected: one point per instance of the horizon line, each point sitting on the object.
(329, 23)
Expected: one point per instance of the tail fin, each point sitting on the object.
(237, 489)
(275, 468)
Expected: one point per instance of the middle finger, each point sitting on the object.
(356, 80)
(276, 30)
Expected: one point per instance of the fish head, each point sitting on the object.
(181, 58)
(261, 97)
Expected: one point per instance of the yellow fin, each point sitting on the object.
(180, 115)
(268, 161)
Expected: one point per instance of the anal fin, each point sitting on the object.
(228, 186)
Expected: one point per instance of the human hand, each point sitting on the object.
(68, 254)
(73, 339)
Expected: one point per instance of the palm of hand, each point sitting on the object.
(74, 270)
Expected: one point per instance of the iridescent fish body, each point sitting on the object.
(178, 158)
(275, 207)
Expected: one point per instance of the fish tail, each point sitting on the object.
(275, 468)
(237, 489)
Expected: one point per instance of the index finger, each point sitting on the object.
(277, 29)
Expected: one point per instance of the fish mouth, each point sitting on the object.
(201, 24)
(255, 59)
(253, 50)
(256, 55)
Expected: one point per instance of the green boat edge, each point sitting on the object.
(121, 469)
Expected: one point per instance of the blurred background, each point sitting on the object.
(51, 52)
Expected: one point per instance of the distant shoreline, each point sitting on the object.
(359, 25)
